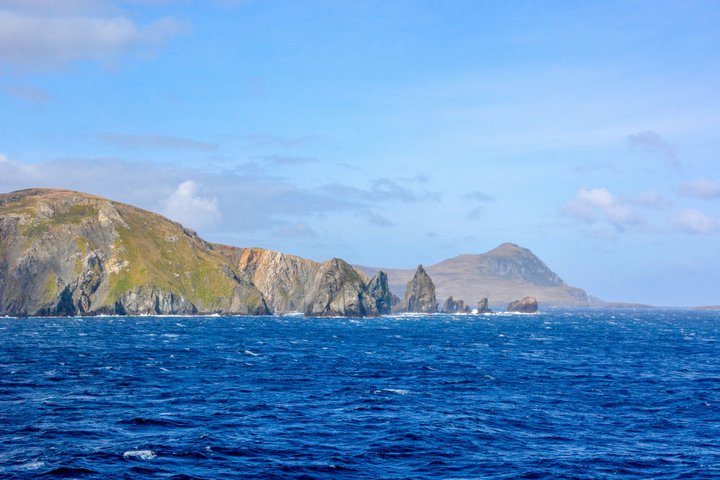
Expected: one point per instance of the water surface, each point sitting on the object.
(564, 394)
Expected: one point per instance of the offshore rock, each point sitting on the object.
(70, 253)
(420, 294)
(339, 290)
(379, 290)
(525, 305)
(455, 306)
(483, 306)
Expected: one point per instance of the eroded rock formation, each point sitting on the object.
(524, 305)
(420, 294)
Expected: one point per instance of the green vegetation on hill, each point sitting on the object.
(66, 252)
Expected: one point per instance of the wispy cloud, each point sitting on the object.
(695, 222)
(296, 230)
(652, 142)
(653, 200)
(598, 205)
(44, 33)
(155, 141)
(248, 203)
(380, 190)
(283, 160)
(480, 199)
(375, 219)
(275, 141)
(704, 189)
(26, 92)
(478, 196)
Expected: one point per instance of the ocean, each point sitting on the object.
(581, 394)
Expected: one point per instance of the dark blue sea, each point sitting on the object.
(563, 394)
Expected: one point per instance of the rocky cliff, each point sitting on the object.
(67, 253)
(379, 289)
(483, 306)
(455, 306)
(295, 284)
(420, 294)
(503, 274)
(524, 305)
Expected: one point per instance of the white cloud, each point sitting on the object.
(706, 189)
(695, 222)
(184, 205)
(43, 33)
(599, 205)
(251, 203)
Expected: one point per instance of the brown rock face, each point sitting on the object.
(294, 284)
(525, 305)
(70, 253)
(338, 290)
(420, 294)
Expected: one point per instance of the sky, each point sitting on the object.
(388, 133)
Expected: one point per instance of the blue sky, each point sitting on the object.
(388, 133)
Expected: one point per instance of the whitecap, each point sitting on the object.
(31, 465)
(251, 353)
(140, 454)
(398, 391)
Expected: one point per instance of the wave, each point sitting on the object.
(139, 454)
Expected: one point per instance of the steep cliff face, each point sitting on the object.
(379, 289)
(67, 253)
(295, 284)
(483, 306)
(420, 294)
(284, 280)
(338, 289)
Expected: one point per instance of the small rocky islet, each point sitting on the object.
(69, 253)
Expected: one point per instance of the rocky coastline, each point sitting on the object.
(65, 253)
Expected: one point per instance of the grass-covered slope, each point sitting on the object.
(64, 252)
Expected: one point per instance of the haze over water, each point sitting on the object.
(562, 394)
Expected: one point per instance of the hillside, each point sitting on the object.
(66, 253)
(503, 274)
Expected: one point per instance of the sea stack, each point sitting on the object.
(378, 289)
(455, 306)
(420, 294)
(525, 305)
(483, 306)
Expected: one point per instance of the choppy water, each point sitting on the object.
(556, 395)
